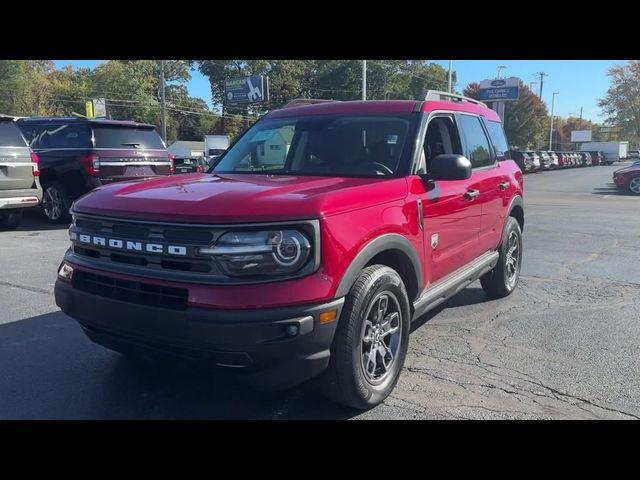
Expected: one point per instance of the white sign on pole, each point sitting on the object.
(99, 107)
(580, 135)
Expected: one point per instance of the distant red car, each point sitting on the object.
(596, 158)
(629, 178)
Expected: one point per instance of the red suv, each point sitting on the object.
(321, 234)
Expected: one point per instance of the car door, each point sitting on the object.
(451, 219)
(487, 182)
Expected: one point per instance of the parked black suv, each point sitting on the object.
(78, 155)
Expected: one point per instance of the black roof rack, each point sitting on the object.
(298, 102)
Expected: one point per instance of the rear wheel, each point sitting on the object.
(502, 280)
(10, 219)
(371, 341)
(54, 203)
(634, 185)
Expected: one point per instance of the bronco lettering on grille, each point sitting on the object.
(133, 246)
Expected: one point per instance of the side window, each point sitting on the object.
(477, 144)
(32, 134)
(498, 139)
(441, 138)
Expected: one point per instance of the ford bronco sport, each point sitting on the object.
(322, 233)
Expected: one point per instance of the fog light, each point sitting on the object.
(292, 330)
(328, 316)
(65, 272)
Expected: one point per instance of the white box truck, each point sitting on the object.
(612, 151)
(214, 146)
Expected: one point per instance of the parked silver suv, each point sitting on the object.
(19, 185)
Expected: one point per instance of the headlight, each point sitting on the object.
(267, 252)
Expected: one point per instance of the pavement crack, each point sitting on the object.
(24, 287)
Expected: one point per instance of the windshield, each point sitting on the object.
(328, 145)
(119, 137)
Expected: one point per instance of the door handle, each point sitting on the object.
(503, 185)
(471, 194)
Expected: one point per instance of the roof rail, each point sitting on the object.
(297, 102)
(437, 95)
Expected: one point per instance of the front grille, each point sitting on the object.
(188, 237)
(131, 291)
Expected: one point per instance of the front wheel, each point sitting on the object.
(371, 340)
(502, 280)
(634, 185)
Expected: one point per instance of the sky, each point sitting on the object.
(579, 83)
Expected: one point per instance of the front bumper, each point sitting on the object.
(255, 342)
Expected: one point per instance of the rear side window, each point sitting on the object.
(476, 142)
(118, 137)
(10, 135)
(498, 139)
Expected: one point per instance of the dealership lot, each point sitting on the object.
(564, 345)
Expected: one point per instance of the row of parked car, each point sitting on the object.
(534, 161)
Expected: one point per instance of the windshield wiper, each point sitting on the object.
(132, 144)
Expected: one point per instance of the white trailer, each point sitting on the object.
(215, 145)
(612, 151)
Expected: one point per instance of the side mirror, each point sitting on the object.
(450, 167)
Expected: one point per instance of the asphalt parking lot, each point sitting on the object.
(564, 345)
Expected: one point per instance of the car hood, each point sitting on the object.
(626, 169)
(237, 198)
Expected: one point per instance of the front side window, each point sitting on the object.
(476, 142)
(498, 139)
(328, 145)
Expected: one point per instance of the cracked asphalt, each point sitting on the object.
(564, 345)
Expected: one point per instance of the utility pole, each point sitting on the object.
(163, 120)
(364, 80)
(542, 75)
(580, 118)
(450, 68)
(553, 99)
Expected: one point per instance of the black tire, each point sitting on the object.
(55, 205)
(10, 219)
(503, 279)
(345, 380)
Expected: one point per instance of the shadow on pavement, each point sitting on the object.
(34, 219)
(612, 190)
(50, 370)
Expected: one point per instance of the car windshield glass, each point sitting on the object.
(330, 145)
(118, 137)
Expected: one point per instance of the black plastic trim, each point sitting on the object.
(390, 241)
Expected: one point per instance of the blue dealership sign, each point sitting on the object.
(500, 89)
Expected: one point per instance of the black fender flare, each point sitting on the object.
(516, 201)
(388, 241)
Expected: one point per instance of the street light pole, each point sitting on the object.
(163, 119)
(553, 99)
(364, 80)
(531, 84)
(450, 68)
(501, 67)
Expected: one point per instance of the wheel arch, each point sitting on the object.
(516, 210)
(392, 250)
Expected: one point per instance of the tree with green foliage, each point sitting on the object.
(621, 104)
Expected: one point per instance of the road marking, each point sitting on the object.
(606, 196)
